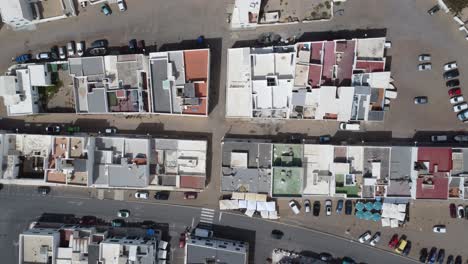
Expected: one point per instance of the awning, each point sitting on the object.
(238, 196)
(271, 206)
(250, 213)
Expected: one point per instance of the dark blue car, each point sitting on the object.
(23, 58)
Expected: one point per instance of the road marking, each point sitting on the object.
(207, 215)
(220, 215)
(193, 221)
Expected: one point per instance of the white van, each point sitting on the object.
(352, 127)
(391, 94)
(200, 232)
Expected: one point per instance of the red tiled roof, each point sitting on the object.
(370, 66)
(197, 109)
(345, 65)
(201, 89)
(439, 189)
(316, 53)
(193, 182)
(196, 64)
(442, 157)
(315, 72)
(328, 60)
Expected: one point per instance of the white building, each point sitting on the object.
(39, 246)
(245, 14)
(135, 250)
(16, 13)
(341, 80)
(214, 250)
(20, 89)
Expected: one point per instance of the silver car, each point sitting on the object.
(425, 66)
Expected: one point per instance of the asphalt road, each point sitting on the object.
(20, 210)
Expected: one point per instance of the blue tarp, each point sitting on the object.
(369, 206)
(359, 206)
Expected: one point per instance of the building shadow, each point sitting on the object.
(238, 234)
(271, 39)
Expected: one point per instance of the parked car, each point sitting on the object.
(110, 130)
(453, 83)
(433, 10)
(23, 58)
(460, 211)
(105, 9)
(98, 51)
(458, 260)
(450, 66)
(375, 239)
(88, 220)
(277, 234)
(450, 259)
(401, 245)
(100, 43)
(324, 139)
(324, 256)
(141, 195)
(132, 45)
(43, 190)
(339, 206)
(350, 126)
(182, 240)
(423, 255)
(71, 48)
(393, 241)
(452, 74)
(439, 138)
(453, 210)
(441, 256)
(118, 223)
(425, 66)
(190, 195)
(44, 56)
(80, 48)
(457, 99)
(460, 107)
(407, 249)
(316, 209)
(294, 207)
(124, 213)
(53, 129)
(461, 138)
(439, 229)
(421, 100)
(328, 207)
(307, 206)
(463, 116)
(424, 57)
(122, 5)
(432, 255)
(62, 54)
(162, 195)
(141, 45)
(348, 207)
(73, 129)
(364, 237)
(454, 92)
(148, 224)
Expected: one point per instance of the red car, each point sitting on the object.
(394, 241)
(88, 220)
(453, 210)
(453, 92)
(182, 240)
(190, 195)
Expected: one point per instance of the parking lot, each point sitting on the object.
(407, 25)
(423, 216)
